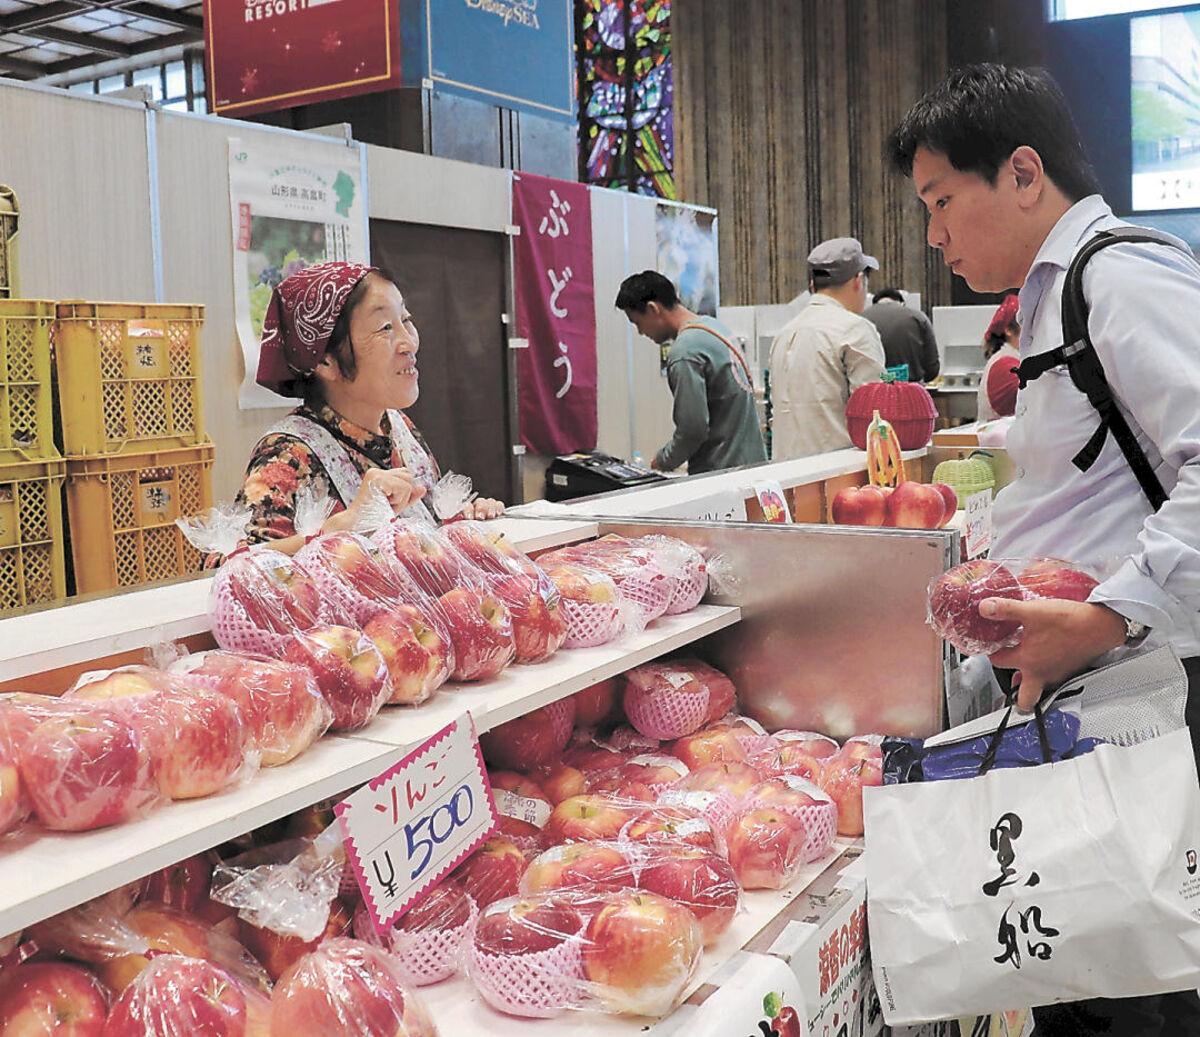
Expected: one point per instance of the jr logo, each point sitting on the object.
(1191, 862)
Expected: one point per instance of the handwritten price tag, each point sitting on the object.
(411, 826)
(978, 523)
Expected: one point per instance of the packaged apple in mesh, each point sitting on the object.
(807, 803)
(589, 816)
(427, 554)
(15, 807)
(180, 996)
(858, 764)
(697, 877)
(683, 564)
(415, 642)
(531, 740)
(81, 767)
(594, 608)
(429, 940)
(635, 570)
(766, 846)
(349, 670)
(356, 578)
(45, 997)
(280, 703)
(799, 754)
(642, 777)
(523, 806)
(749, 732)
(196, 735)
(675, 698)
(347, 986)
(493, 871)
(590, 864)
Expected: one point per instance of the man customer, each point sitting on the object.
(823, 354)
(995, 157)
(906, 333)
(716, 422)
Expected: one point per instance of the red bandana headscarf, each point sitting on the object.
(300, 318)
(1003, 318)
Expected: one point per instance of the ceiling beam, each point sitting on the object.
(89, 41)
(166, 15)
(21, 68)
(47, 14)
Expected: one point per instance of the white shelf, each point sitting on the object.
(44, 873)
(457, 1008)
(521, 688)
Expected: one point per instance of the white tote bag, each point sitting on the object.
(1032, 885)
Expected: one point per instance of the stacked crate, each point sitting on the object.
(137, 456)
(32, 563)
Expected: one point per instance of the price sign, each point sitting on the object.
(978, 512)
(773, 502)
(411, 826)
(729, 506)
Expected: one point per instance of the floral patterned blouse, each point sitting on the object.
(281, 464)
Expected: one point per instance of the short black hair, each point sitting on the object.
(649, 286)
(887, 293)
(980, 114)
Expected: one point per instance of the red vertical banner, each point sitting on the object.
(556, 313)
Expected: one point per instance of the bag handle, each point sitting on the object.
(989, 757)
(737, 353)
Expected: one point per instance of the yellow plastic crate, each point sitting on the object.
(32, 563)
(26, 418)
(122, 510)
(128, 376)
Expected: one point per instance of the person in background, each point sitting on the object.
(906, 333)
(340, 336)
(716, 422)
(995, 157)
(823, 354)
(997, 397)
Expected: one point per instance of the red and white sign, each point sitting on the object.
(269, 54)
(556, 313)
(410, 827)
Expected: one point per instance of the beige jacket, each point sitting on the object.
(818, 359)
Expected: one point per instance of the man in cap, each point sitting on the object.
(823, 354)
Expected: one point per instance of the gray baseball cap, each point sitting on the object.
(837, 260)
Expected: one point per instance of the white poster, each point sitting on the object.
(288, 213)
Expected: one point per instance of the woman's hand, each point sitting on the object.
(396, 484)
(483, 508)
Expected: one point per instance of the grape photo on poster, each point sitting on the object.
(1165, 110)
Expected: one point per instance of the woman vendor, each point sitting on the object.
(340, 336)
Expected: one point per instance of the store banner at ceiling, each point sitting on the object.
(269, 54)
(556, 314)
(288, 213)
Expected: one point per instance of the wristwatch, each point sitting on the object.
(1135, 632)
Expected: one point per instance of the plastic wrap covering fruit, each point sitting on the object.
(709, 745)
(523, 805)
(679, 824)
(807, 803)
(15, 806)
(196, 735)
(595, 610)
(349, 670)
(591, 815)
(259, 598)
(280, 703)
(178, 996)
(843, 776)
(356, 578)
(675, 698)
(429, 941)
(625, 951)
(481, 632)
(493, 871)
(529, 741)
(751, 735)
(345, 987)
(955, 596)
(684, 565)
(642, 777)
(428, 556)
(590, 865)
(417, 649)
(800, 754)
(766, 846)
(636, 571)
(697, 878)
(80, 765)
(51, 998)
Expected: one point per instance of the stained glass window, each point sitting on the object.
(626, 95)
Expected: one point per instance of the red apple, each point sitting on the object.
(788, 758)
(427, 557)
(949, 500)
(733, 778)
(653, 772)
(350, 671)
(864, 747)
(701, 880)
(592, 758)
(493, 554)
(51, 998)
(419, 659)
(280, 703)
(817, 745)
(674, 824)
(640, 951)
(1054, 578)
(347, 987)
(717, 746)
(376, 583)
(86, 771)
(522, 743)
(843, 778)
(526, 926)
(444, 907)
(590, 816)
(539, 622)
(915, 505)
(14, 804)
(492, 872)
(561, 781)
(787, 793)
(858, 506)
(766, 847)
(954, 599)
(277, 951)
(183, 885)
(180, 995)
(481, 631)
(522, 803)
(586, 865)
(595, 703)
(274, 590)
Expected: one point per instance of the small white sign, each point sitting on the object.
(773, 502)
(521, 808)
(978, 524)
(729, 506)
(410, 827)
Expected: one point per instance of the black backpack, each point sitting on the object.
(1085, 369)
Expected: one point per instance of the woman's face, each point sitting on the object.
(385, 342)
